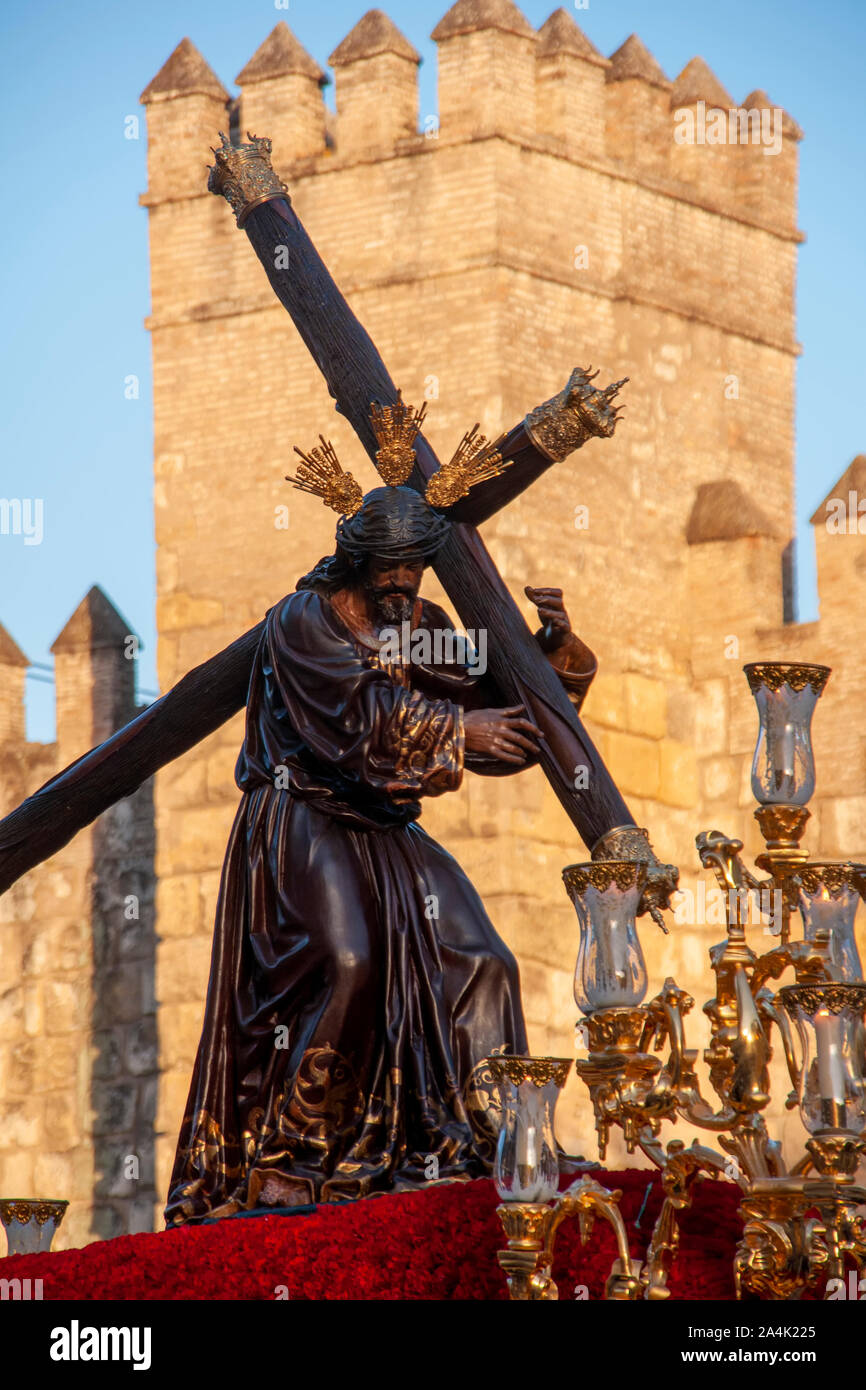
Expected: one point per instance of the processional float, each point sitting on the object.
(783, 1246)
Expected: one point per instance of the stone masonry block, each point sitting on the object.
(645, 705)
(605, 702)
(678, 775)
(178, 906)
(633, 762)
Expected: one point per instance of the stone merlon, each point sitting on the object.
(374, 33)
(697, 82)
(468, 16)
(759, 101)
(722, 511)
(559, 34)
(183, 73)
(852, 480)
(281, 55)
(634, 60)
(95, 623)
(13, 719)
(10, 652)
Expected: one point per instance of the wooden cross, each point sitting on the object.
(203, 700)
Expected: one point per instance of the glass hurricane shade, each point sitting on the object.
(610, 972)
(526, 1168)
(828, 897)
(829, 1021)
(783, 768)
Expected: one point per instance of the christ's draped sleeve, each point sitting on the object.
(576, 666)
(329, 724)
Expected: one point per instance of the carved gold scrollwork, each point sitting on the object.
(615, 1030)
(836, 878)
(602, 874)
(327, 1098)
(833, 996)
(772, 675)
(480, 1095)
(539, 1070)
(531, 1230)
(782, 827)
(22, 1210)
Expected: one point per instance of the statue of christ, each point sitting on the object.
(357, 983)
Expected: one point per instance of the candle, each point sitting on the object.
(831, 1068)
(781, 742)
(526, 1147)
(822, 913)
(788, 751)
(536, 1172)
(835, 913)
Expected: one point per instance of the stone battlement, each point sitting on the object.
(550, 89)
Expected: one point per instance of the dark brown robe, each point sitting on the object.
(356, 982)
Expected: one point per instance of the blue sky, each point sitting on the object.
(74, 271)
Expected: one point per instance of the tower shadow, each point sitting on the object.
(124, 1072)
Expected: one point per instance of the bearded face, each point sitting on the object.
(392, 586)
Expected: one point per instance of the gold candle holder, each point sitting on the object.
(526, 1173)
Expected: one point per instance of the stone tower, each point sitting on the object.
(78, 1048)
(556, 217)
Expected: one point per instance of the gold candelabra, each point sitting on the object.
(801, 1223)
